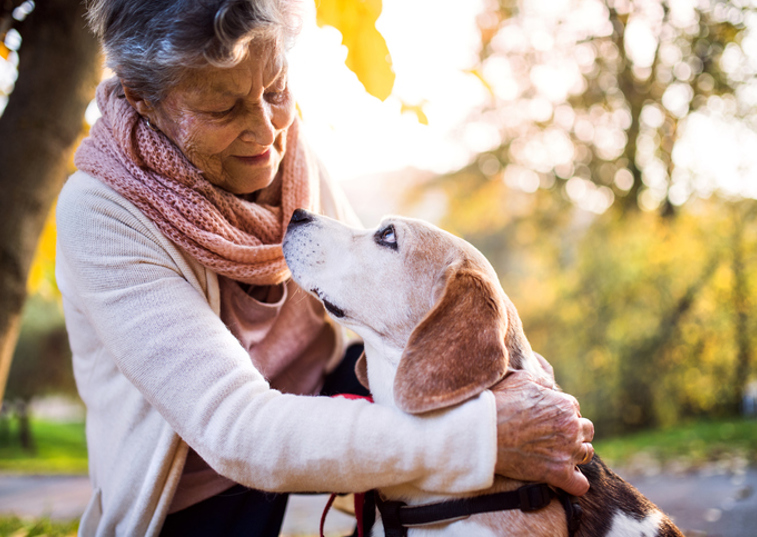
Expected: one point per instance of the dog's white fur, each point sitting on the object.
(437, 328)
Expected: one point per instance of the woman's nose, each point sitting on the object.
(259, 126)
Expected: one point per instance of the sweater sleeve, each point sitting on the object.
(132, 286)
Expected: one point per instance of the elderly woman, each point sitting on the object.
(196, 355)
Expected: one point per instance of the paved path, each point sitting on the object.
(64, 498)
(704, 503)
(59, 497)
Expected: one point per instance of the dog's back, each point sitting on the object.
(613, 507)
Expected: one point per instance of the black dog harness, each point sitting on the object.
(398, 516)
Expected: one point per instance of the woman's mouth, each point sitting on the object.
(262, 158)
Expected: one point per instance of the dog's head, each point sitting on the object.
(415, 287)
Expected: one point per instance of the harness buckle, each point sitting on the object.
(534, 497)
(573, 511)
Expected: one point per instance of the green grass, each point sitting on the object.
(17, 527)
(59, 448)
(695, 443)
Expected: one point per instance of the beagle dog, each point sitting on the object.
(438, 329)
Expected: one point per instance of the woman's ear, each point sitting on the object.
(458, 350)
(141, 105)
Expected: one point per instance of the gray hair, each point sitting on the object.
(149, 44)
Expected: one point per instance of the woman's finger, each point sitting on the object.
(574, 483)
(587, 429)
(585, 454)
(546, 366)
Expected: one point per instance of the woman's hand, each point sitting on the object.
(541, 435)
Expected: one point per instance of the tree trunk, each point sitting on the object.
(5, 431)
(638, 371)
(741, 312)
(24, 427)
(57, 73)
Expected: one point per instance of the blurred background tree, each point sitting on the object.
(594, 96)
(57, 70)
(626, 241)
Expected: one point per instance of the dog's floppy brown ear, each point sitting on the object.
(458, 349)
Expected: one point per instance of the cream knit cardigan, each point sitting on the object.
(158, 370)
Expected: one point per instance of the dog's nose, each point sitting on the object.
(300, 216)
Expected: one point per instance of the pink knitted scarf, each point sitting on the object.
(236, 238)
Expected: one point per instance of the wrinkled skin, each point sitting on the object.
(231, 123)
(541, 435)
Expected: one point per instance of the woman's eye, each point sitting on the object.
(222, 113)
(276, 96)
(277, 91)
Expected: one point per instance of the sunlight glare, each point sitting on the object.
(720, 152)
(640, 43)
(432, 44)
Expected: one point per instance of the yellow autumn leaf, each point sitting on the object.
(416, 109)
(42, 274)
(4, 51)
(367, 54)
(485, 83)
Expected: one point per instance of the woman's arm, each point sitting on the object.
(134, 288)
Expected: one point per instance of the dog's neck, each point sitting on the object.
(382, 361)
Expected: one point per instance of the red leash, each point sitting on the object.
(359, 497)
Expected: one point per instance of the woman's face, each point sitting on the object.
(232, 122)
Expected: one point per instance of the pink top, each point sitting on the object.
(285, 330)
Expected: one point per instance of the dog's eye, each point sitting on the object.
(387, 237)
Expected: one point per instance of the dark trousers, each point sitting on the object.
(244, 512)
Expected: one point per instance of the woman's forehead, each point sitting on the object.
(263, 65)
